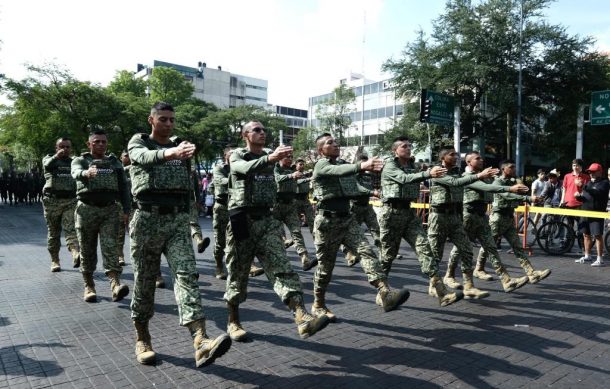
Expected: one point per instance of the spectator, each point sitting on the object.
(537, 187)
(594, 197)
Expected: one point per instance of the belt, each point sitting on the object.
(58, 195)
(258, 213)
(450, 210)
(398, 204)
(326, 213)
(301, 196)
(97, 203)
(505, 211)
(221, 201)
(161, 209)
(476, 208)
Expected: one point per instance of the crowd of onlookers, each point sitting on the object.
(21, 188)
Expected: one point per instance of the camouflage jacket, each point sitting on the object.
(108, 184)
(400, 182)
(507, 201)
(58, 176)
(337, 181)
(482, 191)
(285, 182)
(449, 189)
(252, 182)
(220, 180)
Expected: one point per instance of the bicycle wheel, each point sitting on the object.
(555, 238)
(531, 230)
(607, 241)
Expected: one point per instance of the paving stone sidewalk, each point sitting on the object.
(553, 334)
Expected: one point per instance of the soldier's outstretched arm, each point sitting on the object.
(325, 168)
(393, 172)
(493, 188)
(78, 169)
(142, 155)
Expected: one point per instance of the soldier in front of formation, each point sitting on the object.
(100, 183)
(397, 220)
(59, 202)
(254, 232)
(335, 185)
(502, 222)
(161, 186)
(446, 202)
(285, 209)
(477, 196)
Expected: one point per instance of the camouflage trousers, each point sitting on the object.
(151, 235)
(59, 214)
(194, 220)
(396, 224)
(329, 233)
(477, 229)
(303, 206)
(286, 213)
(449, 225)
(122, 230)
(365, 214)
(266, 243)
(504, 226)
(219, 225)
(93, 222)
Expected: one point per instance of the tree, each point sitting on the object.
(474, 55)
(125, 82)
(333, 113)
(169, 85)
(304, 145)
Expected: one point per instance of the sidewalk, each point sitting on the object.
(553, 334)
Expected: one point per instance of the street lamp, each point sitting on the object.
(519, 91)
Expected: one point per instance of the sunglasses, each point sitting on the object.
(257, 130)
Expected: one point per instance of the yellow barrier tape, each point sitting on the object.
(564, 212)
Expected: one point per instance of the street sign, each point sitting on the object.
(600, 108)
(437, 108)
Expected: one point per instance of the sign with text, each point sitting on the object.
(437, 108)
(600, 108)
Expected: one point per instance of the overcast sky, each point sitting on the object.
(301, 47)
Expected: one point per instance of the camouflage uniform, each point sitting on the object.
(363, 210)
(397, 220)
(477, 196)
(121, 236)
(59, 202)
(252, 194)
(221, 213)
(502, 224)
(194, 210)
(301, 202)
(97, 209)
(284, 209)
(160, 225)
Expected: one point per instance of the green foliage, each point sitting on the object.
(473, 54)
(333, 113)
(304, 145)
(169, 85)
(125, 83)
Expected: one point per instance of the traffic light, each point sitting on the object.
(425, 105)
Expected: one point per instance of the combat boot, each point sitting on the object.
(288, 243)
(55, 267)
(219, 272)
(202, 243)
(75, 256)
(480, 273)
(307, 325)
(234, 328)
(307, 263)
(449, 278)
(437, 288)
(534, 275)
(470, 292)
(255, 271)
(118, 290)
(144, 351)
(319, 308)
(206, 349)
(509, 284)
(90, 295)
(122, 260)
(390, 299)
(159, 282)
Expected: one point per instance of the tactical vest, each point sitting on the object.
(106, 179)
(171, 176)
(219, 173)
(286, 186)
(330, 187)
(253, 190)
(443, 194)
(303, 187)
(471, 195)
(59, 179)
(394, 190)
(500, 202)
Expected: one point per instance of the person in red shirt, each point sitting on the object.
(573, 183)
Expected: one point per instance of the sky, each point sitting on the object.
(303, 48)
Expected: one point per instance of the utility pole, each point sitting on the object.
(519, 91)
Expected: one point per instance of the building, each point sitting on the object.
(216, 86)
(375, 110)
(295, 119)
